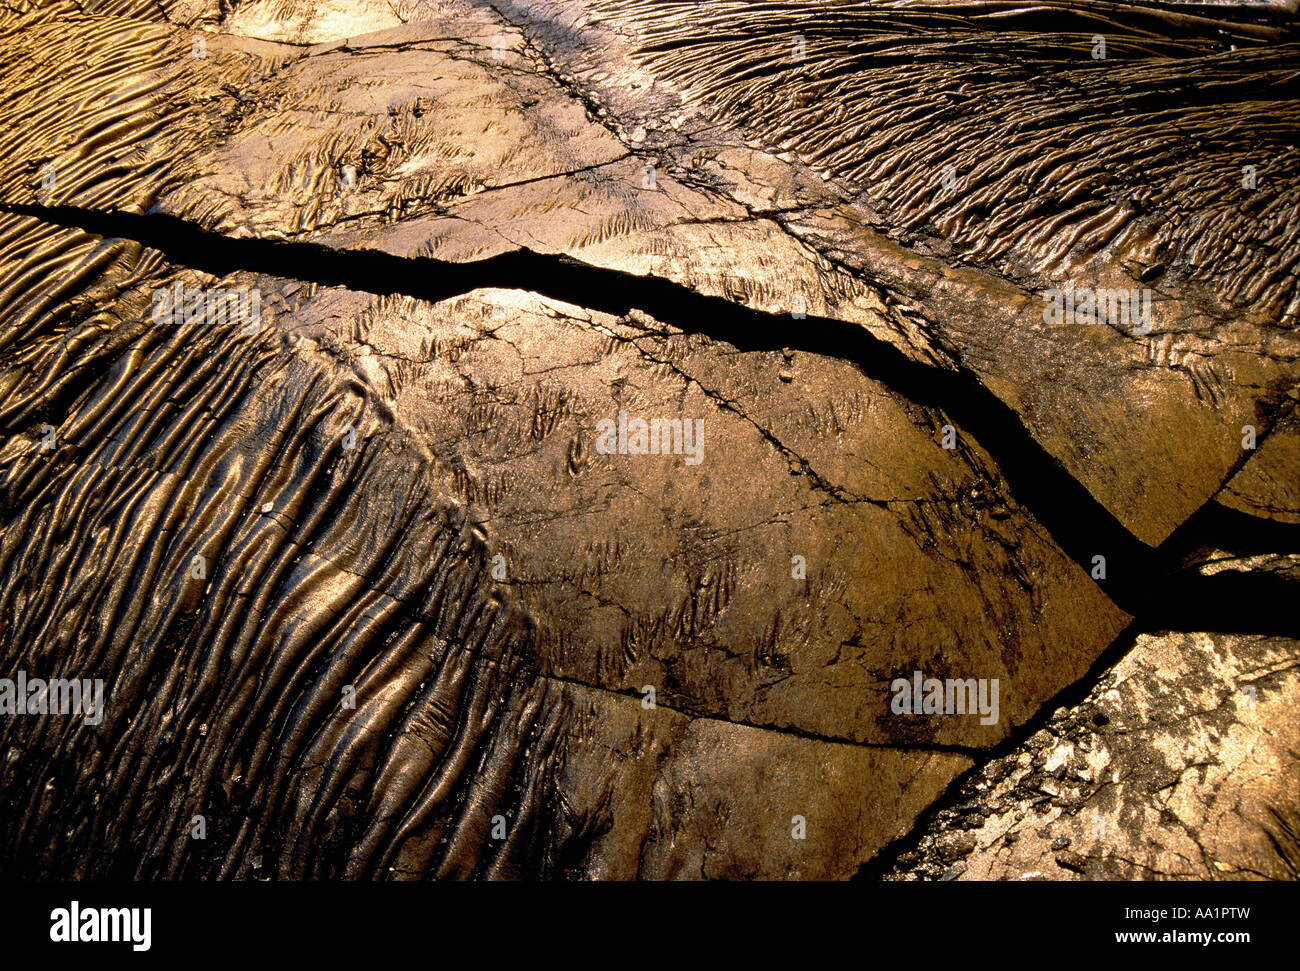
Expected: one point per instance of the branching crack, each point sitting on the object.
(1151, 584)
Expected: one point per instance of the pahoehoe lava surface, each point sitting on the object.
(326, 338)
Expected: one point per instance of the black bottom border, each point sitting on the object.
(524, 921)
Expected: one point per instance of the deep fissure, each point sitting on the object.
(1149, 583)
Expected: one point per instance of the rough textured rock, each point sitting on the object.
(367, 593)
(1180, 763)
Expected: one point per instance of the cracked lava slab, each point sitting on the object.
(588, 526)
